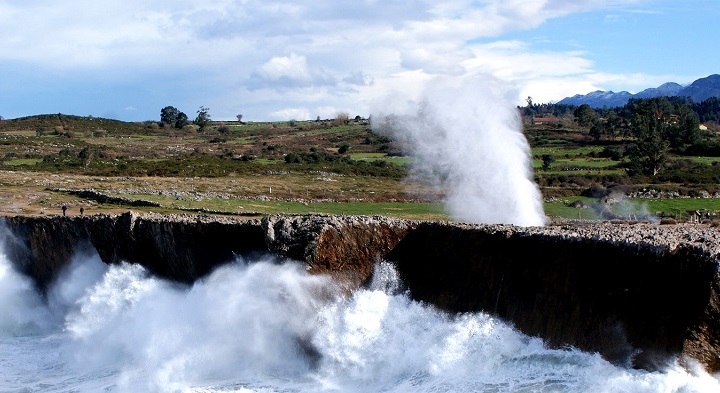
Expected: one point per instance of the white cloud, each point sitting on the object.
(291, 71)
(274, 55)
(359, 78)
(291, 114)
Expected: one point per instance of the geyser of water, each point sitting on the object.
(466, 138)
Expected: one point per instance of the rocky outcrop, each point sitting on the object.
(344, 247)
(181, 248)
(638, 294)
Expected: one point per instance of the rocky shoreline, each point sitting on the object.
(639, 294)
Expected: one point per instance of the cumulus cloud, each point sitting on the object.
(359, 78)
(291, 114)
(284, 72)
(271, 55)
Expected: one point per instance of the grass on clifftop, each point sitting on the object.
(313, 161)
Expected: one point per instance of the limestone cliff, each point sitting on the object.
(175, 247)
(635, 302)
(344, 247)
(638, 294)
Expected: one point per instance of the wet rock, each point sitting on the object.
(637, 293)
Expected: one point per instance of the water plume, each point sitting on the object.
(466, 138)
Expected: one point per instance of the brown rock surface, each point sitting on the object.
(638, 294)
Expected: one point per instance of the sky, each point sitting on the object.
(282, 60)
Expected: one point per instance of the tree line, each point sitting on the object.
(650, 128)
(172, 117)
(707, 110)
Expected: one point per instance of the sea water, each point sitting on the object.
(265, 326)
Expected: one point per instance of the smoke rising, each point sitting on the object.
(466, 139)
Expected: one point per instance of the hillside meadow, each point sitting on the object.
(328, 166)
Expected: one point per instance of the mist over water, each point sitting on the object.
(466, 138)
(261, 326)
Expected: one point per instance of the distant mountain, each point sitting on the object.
(598, 99)
(699, 90)
(665, 90)
(703, 88)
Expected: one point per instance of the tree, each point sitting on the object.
(181, 120)
(612, 124)
(648, 155)
(239, 117)
(169, 115)
(85, 156)
(596, 131)
(650, 120)
(584, 115)
(203, 118)
(684, 126)
(547, 159)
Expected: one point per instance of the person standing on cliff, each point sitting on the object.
(82, 210)
(64, 209)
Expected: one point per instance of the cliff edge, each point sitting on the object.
(640, 295)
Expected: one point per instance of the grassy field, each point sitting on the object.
(410, 210)
(244, 168)
(563, 151)
(704, 160)
(397, 160)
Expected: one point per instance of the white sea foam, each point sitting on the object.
(267, 327)
(22, 311)
(466, 138)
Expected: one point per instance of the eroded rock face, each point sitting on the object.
(637, 303)
(345, 247)
(638, 294)
(180, 248)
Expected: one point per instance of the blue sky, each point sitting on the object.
(281, 60)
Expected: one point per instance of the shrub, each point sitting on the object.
(341, 119)
(223, 129)
(614, 153)
(547, 159)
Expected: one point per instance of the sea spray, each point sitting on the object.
(379, 340)
(270, 327)
(241, 322)
(22, 311)
(466, 138)
(84, 270)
